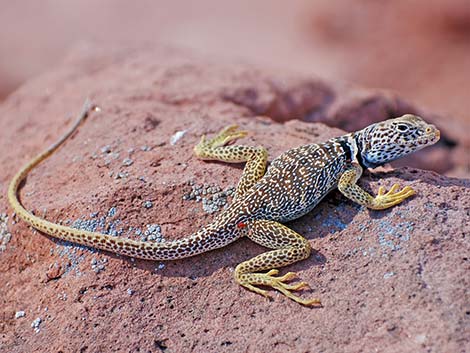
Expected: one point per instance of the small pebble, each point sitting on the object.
(176, 137)
(389, 274)
(106, 149)
(35, 324)
(148, 204)
(112, 212)
(121, 175)
(98, 268)
(127, 162)
(19, 314)
(153, 233)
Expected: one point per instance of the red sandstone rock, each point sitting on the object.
(394, 280)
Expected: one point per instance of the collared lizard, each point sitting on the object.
(292, 186)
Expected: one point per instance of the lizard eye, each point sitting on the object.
(402, 127)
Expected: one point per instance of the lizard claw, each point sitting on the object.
(393, 197)
(269, 279)
(205, 147)
(226, 135)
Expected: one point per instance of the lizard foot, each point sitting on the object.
(393, 197)
(226, 135)
(248, 280)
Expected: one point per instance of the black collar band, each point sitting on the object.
(363, 162)
(346, 148)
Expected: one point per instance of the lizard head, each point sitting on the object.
(391, 139)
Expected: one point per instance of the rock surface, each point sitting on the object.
(390, 281)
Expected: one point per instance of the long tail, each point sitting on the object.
(203, 240)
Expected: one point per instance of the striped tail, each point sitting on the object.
(205, 239)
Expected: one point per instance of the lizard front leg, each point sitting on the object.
(348, 187)
(216, 149)
(289, 247)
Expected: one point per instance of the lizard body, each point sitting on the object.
(293, 185)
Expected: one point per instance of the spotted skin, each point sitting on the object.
(293, 185)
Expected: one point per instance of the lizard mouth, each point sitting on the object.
(432, 136)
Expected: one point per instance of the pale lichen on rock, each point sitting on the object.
(5, 235)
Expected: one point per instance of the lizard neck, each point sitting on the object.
(348, 146)
(352, 148)
(361, 146)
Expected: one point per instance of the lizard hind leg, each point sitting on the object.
(216, 148)
(289, 247)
